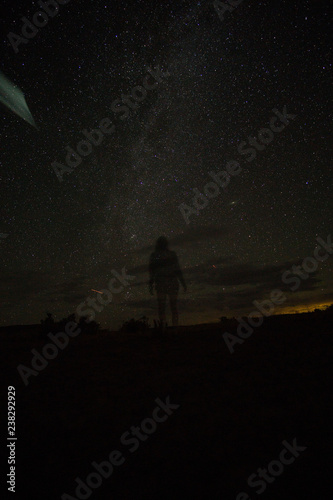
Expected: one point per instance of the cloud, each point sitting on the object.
(191, 235)
(265, 277)
(199, 233)
(21, 287)
(236, 286)
(143, 303)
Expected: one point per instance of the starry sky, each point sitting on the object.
(60, 240)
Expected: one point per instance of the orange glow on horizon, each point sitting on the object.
(303, 308)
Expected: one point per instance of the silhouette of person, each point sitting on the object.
(165, 273)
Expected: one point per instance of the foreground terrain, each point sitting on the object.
(235, 410)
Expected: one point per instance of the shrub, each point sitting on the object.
(49, 325)
(135, 325)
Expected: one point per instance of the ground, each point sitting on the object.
(235, 410)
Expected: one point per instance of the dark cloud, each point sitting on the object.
(192, 235)
(200, 233)
(143, 303)
(23, 283)
(30, 285)
(265, 277)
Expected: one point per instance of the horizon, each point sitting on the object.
(283, 312)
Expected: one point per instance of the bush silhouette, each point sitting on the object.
(91, 328)
(50, 325)
(135, 325)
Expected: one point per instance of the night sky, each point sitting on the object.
(225, 78)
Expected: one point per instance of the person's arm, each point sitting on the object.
(179, 273)
(151, 274)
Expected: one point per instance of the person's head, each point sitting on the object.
(161, 244)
